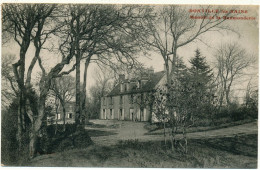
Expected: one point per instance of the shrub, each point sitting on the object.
(224, 112)
(8, 135)
(235, 112)
(238, 114)
(72, 137)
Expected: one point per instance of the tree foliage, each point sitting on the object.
(201, 79)
(232, 61)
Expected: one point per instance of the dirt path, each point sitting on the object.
(127, 130)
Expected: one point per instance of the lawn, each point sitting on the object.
(154, 129)
(228, 152)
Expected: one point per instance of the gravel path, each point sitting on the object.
(127, 130)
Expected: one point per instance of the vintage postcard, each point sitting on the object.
(129, 85)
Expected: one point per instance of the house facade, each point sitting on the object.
(130, 100)
(69, 113)
(59, 116)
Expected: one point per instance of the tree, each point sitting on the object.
(25, 23)
(158, 100)
(251, 100)
(180, 98)
(106, 35)
(172, 28)
(201, 77)
(103, 85)
(232, 61)
(63, 89)
(187, 95)
(87, 30)
(9, 86)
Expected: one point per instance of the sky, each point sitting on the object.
(246, 35)
(248, 38)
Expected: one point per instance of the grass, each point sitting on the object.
(92, 125)
(157, 130)
(96, 133)
(236, 152)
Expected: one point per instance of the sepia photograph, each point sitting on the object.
(129, 85)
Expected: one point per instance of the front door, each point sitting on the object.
(111, 115)
(132, 114)
(121, 114)
(104, 114)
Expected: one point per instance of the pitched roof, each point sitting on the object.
(148, 86)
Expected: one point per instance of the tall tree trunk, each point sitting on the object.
(84, 112)
(36, 125)
(228, 91)
(184, 133)
(78, 108)
(221, 99)
(20, 123)
(172, 110)
(164, 132)
(56, 111)
(32, 144)
(64, 115)
(172, 137)
(19, 75)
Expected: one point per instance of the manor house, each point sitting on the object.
(129, 100)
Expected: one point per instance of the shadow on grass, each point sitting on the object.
(245, 145)
(97, 133)
(92, 125)
(209, 153)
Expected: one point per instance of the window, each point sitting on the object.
(125, 87)
(104, 114)
(111, 100)
(121, 116)
(104, 101)
(121, 99)
(132, 99)
(131, 114)
(142, 97)
(141, 114)
(58, 116)
(70, 108)
(69, 115)
(111, 114)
